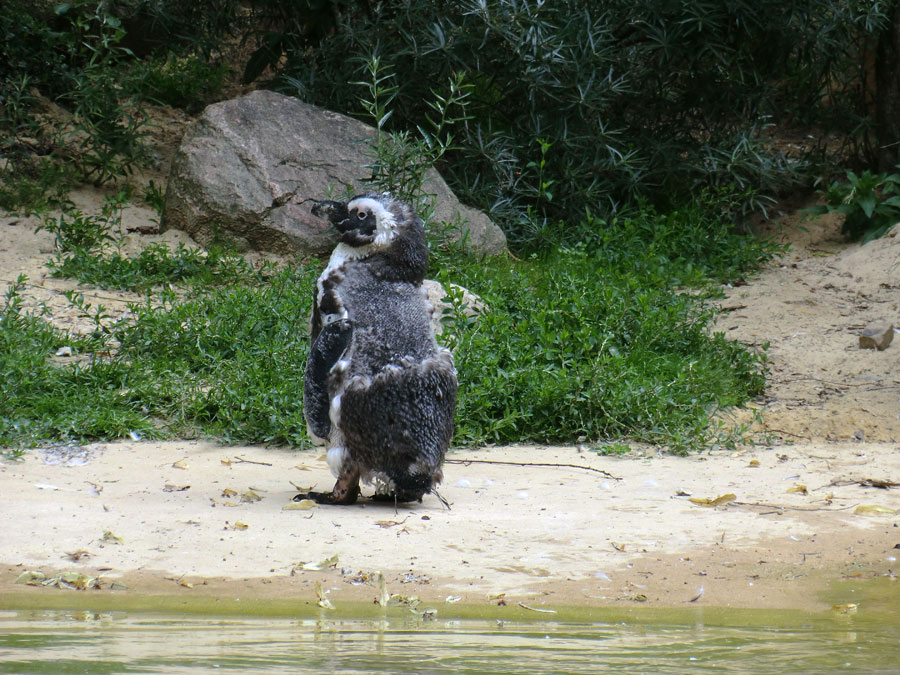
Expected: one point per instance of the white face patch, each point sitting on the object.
(385, 224)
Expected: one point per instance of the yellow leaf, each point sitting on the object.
(111, 538)
(180, 464)
(238, 525)
(250, 496)
(228, 492)
(754, 463)
(302, 505)
(875, 509)
(718, 501)
(799, 489)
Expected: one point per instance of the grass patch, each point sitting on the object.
(586, 342)
(592, 342)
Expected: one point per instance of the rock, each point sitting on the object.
(248, 168)
(471, 303)
(876, 337)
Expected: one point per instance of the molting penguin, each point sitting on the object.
(379, 391)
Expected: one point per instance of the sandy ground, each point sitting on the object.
(606, 531)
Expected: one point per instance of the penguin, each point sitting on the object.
(379, 391)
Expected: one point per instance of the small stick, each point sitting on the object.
(250, 461)
(556, 466)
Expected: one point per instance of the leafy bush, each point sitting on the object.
(869, 201)
(187, 82)
(579, 104)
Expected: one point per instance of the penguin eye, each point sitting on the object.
(362, 215)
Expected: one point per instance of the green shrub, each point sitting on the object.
(187, 82)
(869, 201)
(597, 105)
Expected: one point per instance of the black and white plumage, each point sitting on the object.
(379, 390)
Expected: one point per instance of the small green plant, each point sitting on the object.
(88, 250)
(869, 201)
(401, 159)
(155, 197)
(74, 232)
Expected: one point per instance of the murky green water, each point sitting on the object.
(54, 641)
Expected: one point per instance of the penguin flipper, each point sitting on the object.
(327, 349)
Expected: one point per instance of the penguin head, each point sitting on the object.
(363, 221)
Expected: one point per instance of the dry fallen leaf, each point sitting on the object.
(250, 496)
(302, 505)
(753, 463)
(75, 580)
(180, 464)
(718, 501)
(875, 510)
(238, 525)
(78, 556)
(390, 523)
(316, 567)
(228, 492)
(798, 489)
(111, 538)
(175, 488)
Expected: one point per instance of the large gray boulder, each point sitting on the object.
(248, 169)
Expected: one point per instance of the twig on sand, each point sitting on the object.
(466, 462)
(250, 461)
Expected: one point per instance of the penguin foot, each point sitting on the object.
(344, 492)
(328, 497)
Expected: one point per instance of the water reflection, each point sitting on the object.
(118, 642)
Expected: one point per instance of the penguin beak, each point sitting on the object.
(333, 212)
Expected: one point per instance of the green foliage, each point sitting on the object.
(590, 341)
(108, 124)
(869, 201)
(187, 82)
(178, 368)
(600, 104)
(71, 54)
(89, 250)
(402, 159)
